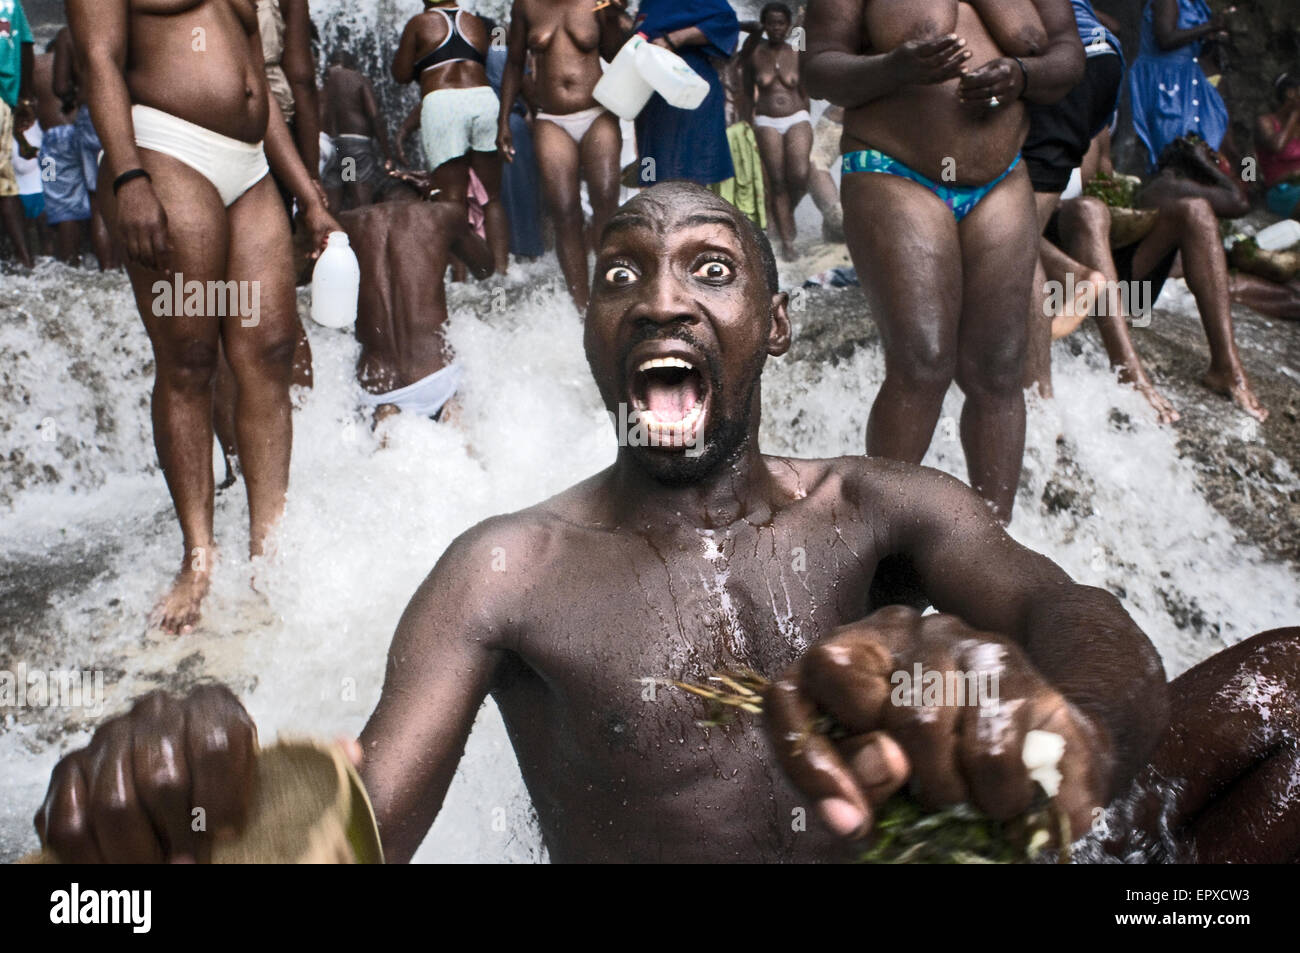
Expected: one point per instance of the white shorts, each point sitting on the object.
(456, 121)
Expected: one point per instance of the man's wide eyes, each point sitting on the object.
(620, 275)
(714, 270)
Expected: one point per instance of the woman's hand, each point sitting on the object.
(142, 224)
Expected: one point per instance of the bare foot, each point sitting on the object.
(1234, 384)
(1165, 412)
(1087, 292)
(178, 611)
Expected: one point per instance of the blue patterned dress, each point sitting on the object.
(1171, 96)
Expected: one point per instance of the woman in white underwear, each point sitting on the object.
(178, 93)
(444, 49)
(782, 124)
(575, 137)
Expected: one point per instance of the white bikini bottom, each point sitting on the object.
(782, 124)
(425, 397)
(575, 124)
(233, 167)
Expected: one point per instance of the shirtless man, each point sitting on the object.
(403, 246)
(350, 116)
(939, 214)
(70, 84)
(781, 120)
(187, 140)
(576, 138)
(698, 552)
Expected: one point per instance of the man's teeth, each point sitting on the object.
(665, 362)
(683, 426)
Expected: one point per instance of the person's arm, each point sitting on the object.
(1042, 78)
(1165, 24)
(64, 81)
(297, 65)
(1068, 659)
(1227, 196)
(440, 667)
(376, 117)
(835, 69)
(615, 28)
(1273, 135)
(409, 125)
(99, 29)
(282, 155)
(404, 59)
(512, 78)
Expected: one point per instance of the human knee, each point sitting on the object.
(924, 365)
(994, 372)
(1196, 212)
(189, 365)
(1085, 213)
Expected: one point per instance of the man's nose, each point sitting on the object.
(665, 300)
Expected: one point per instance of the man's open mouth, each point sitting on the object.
(669, 396)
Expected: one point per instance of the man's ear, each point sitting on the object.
(778, 334)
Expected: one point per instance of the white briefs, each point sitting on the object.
(425, 397)
(233, 167)
(575, 124)
(782, 124)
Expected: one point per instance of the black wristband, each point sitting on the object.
(127, 176)
(1025, 71)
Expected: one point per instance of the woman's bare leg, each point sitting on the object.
(558, 161)
(771, 147)
(1191, 225)
(599, 152)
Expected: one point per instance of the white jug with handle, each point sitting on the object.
(671, 76)
(622, 90)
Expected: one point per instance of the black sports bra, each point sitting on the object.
(453, 49)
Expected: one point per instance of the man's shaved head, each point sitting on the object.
(658, 205)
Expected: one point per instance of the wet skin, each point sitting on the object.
(403, 247)
(174, 221)
(424, 32)
(916, 81)
(564, 38)
(773, 69)
(690, 564)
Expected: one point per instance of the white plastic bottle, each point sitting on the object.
(335, 282)
(671, 76)
(621, 89)
(1279, 235)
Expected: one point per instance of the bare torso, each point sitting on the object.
(343, 110)
(402, 248)
(982, 145)
(776, 75)
(616, 775)
(199, 60)
(563, 37)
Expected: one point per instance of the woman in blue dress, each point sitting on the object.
(1171, 95)
(687, 143)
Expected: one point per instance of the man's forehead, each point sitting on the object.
(668, 220)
